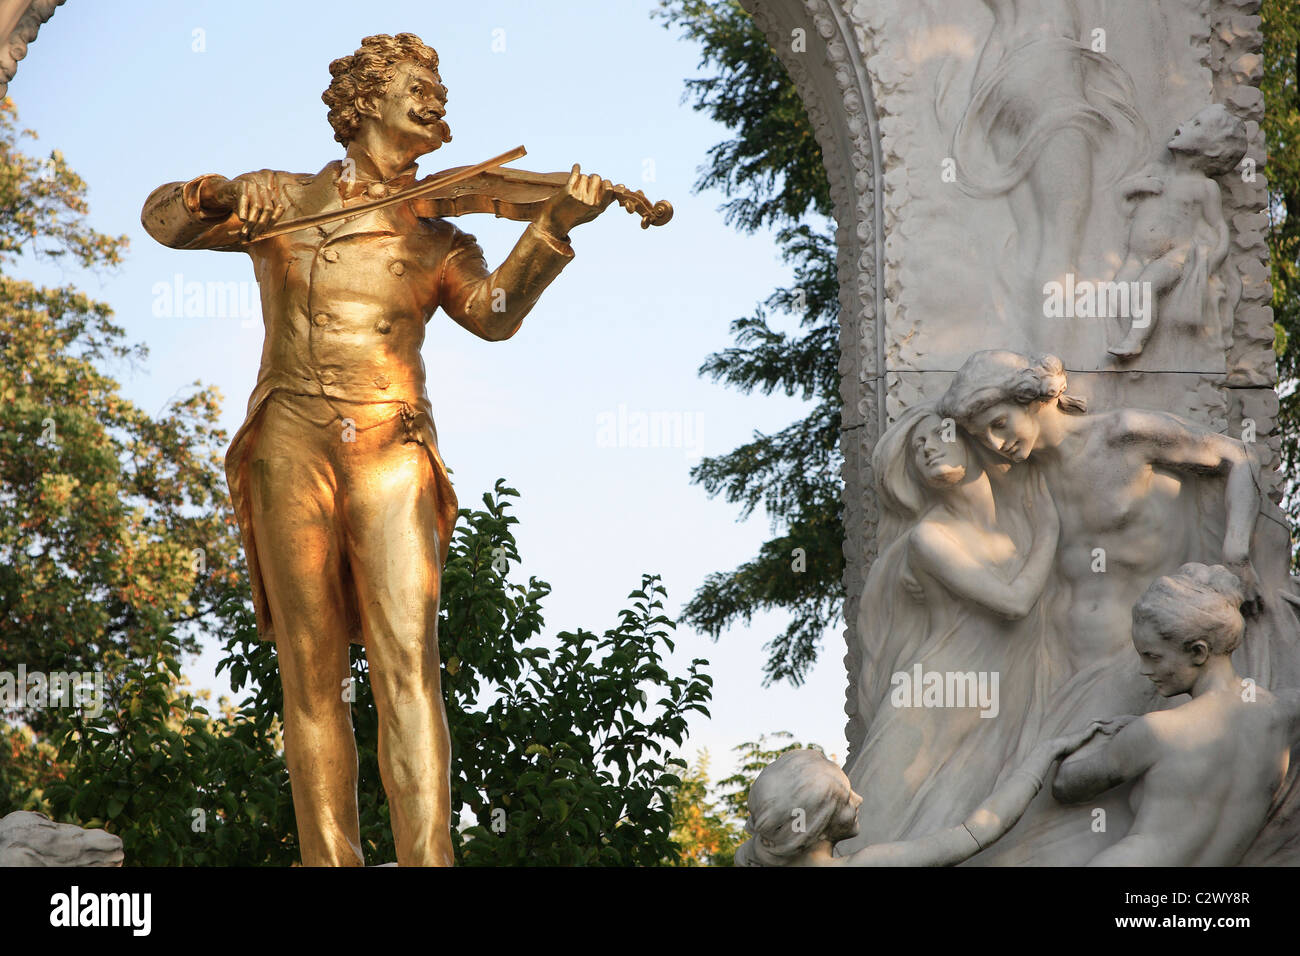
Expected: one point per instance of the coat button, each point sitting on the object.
(377, 190)
(383, 326)
(326, 378)
(397, 267)
(320, 319)
(330, 255)
(381, 382)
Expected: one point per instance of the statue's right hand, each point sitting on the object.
(1144, 184)
(253, 202)
(1067, 744)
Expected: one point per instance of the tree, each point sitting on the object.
(709, 819)
(559, 753)
(181, 787)
(772, 176)
(568, 764)
(113, 523)
(1281, 88)
(706, 833)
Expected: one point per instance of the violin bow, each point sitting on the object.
(415, 192)
(652, 214)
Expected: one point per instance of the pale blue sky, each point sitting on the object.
(120, 89)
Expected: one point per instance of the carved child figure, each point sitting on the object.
(1178, 239)
(1207, 771)
(802, 804)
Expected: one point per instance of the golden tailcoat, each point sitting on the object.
(344, 307)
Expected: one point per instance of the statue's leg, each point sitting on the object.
(389, 506)
(1061, 181)
(298, 544)
(1160, 276)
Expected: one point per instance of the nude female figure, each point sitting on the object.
(956, 592)
(962, 541)
(1209, 770)
(1034, 101)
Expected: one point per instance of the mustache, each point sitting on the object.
(432, 118)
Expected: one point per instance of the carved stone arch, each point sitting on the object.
(850, 66)
(20, 21)
(831, 76)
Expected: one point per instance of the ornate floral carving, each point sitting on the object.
(833, 81)
(23, 33)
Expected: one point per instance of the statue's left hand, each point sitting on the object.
(1067, 744)
(1114, 725)
(582, 199)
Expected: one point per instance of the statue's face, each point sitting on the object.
(846, 824)
(1008, 428)
(411, 110)
(1169, 667)
(940, 463)
(1191, 137)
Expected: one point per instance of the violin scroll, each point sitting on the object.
(652, 214)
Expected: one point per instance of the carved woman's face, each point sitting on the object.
(846, 825)
(1008, 428)
(938, 452)
(1172, 669)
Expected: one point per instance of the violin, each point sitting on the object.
(484, 187)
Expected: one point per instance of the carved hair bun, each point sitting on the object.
(1217, 578)
(1198, 602)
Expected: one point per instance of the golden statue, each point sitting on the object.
(343, 501)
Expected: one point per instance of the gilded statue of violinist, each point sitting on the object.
(343, 501)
